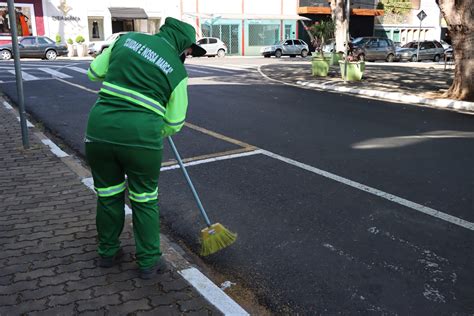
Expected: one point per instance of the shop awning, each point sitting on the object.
(128, 13)
(237, 16)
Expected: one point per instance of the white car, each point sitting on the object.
(286, 47)
(213, 46)
(95, 48)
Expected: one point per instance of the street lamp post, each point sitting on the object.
(19, 81)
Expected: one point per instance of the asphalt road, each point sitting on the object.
(347, 208)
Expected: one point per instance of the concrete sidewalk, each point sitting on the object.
(412, 83)
(48, 242)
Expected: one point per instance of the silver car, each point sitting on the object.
(373, 48)
(213, 46)
(431, 50)
(286, 47)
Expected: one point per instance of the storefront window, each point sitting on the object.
(24, 20)
(263, 34)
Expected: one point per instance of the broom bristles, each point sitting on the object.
(215, 238)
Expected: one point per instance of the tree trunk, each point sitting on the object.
(340, 19)
(460, 19)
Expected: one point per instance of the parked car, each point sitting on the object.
(95, 48)
(445, 45)
(373, 48)
(432, 50)
(34, 47)
(287, 47)
(213, 46)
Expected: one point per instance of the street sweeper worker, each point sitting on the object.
(143, 99)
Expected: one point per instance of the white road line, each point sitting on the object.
(203, 161)
(415, 206)
(229, 67)
(77, 86)
(25, 76)
(211, 68)
(89, 182)
(55, 73)
(54, 148)
(28, 123)
(78, 69)
(200, 71)
(7, 105)
(211, 292)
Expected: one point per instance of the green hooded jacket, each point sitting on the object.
(144, 93)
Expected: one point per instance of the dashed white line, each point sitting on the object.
(55, 73)
(54, 148)
(78, 69)
(7, 105)
(212, 292)
(25, 76)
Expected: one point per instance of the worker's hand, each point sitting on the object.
(167, 131)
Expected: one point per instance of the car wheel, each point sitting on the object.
(220, 53)
(5, 54)
(304, 53)
(436, 58)
(278, 54)
(413, 58)
(361, 57)
(390, 58)
(51, 54)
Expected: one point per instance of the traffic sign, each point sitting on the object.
(421, 15)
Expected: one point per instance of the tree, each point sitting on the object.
(459, 16)
(339, 16)
(322, 32)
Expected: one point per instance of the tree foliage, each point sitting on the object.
(398, 7)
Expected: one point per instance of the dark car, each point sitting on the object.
(34, 47)
(373, 48)
(432, 50)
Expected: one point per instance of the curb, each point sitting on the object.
(397, 96)
(173, 253)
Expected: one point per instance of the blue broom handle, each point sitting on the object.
(188, 179)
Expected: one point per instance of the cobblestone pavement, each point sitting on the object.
(422, 79)
(48, 242)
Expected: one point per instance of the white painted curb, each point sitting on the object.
(397, 96)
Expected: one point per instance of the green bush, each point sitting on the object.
(58, 38)
(80, 39)
(69, 41)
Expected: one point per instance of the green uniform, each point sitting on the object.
(143, 99)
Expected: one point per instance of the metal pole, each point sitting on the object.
(19, 81)
(348, 14)
(418, 46)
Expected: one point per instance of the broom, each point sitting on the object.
(215, 236)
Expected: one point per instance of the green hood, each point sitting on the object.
(180, 34)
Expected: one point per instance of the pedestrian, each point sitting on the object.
(142, 100)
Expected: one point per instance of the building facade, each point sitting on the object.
(361, 21)
(405, 27)
(244, 25)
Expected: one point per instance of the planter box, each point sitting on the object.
(355, 70)
(71, 51)
(320, 66)
(81, 50)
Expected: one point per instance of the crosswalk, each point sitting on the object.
(31, 72)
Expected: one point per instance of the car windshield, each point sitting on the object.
(360, 40)
(409, 45)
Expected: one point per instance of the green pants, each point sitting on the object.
(109, 164)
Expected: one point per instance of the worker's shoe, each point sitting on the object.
(158, 268)
(108, 262)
